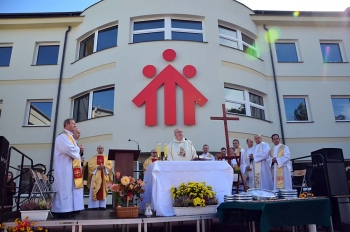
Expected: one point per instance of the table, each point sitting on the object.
(283, 212)
(160, 176)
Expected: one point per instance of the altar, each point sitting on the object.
(160, 176)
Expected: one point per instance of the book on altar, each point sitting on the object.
(100, 160)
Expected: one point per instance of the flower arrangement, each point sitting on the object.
(306, 195)
(125, 188)
(193, 194)
(25, 226)
(35, 205)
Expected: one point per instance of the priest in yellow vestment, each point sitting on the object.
(100, 173)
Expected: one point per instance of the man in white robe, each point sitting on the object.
(69, 198)
(238, 152)
(261, 167)
(247, 166)
(206, 154)
(180, 149)
(280, 162)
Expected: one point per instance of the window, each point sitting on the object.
(39, 113)
(94, 104)
(244, 102)
(105, 38)
(296, 109)
(236, 39)
(341, 108)
(167, 29)
(331, 52)
(286, 52)
(5, 55)
(47, 54)
(0, 107)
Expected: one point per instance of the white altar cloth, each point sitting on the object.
(160, 176)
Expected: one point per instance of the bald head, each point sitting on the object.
(257, 139)
(76, 134)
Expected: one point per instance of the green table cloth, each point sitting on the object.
(282, 213)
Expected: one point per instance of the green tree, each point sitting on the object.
(300, 113)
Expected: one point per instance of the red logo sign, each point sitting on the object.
(170, 78)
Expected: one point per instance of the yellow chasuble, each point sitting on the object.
(77, 173)
(279, 171)
(99, 179)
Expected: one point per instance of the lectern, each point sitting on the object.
(123, 160)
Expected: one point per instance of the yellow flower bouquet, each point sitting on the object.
(193, 194)
(25, 226)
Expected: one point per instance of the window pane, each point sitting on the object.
(107, 38)
(87, 46)
(81, 107)
(156, 36)
(234, 95)
(26, 180)
(196, 25)
(0, 107)
(229, 43)
(5, 56)
(144, 25)
(257, 113)
(40, 113)
(295, 109)
(249, 50)
(286, 52)
(235, 108)
(331, 52)
(102, 103)
(248, 40)
(341, 108)
(256, 99)
(47, 55)
(228, 32)
(186, 36)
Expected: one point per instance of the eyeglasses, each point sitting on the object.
(178, 132)
(154, 152)
(100, 148)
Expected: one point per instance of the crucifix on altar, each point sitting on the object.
(229, 156)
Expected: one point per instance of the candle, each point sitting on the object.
(165, 150)
(158, 150)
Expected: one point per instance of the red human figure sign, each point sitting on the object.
(170, 78)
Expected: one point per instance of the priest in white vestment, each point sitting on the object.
(238, 151)
(68, 183)
(206, 154)
(280, 162)
(247, 166)
(261, 167)
(180, 149)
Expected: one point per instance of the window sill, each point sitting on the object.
(291, 62)
(300, 121)
(342, 120)
(246, 116)
(241, 51)
(36, 126)
(93, 53)
(4, 65)
(94, 118)
(170, 40)
(336, 62)
(43, 64)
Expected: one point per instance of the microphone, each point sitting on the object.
(138, 147)
(192, 146)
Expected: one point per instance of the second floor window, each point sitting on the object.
(341, 108)
(296, 109)
(39, 113)
(331, 52)
(286, 52)
(5, 55)
(167, 29)
(47, 54)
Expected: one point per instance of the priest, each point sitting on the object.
(181, 149)
(246, 166)
(149, 160)
(280, 162)
(100, 173)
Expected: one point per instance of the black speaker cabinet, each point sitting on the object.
(330, 170)
(4, 147)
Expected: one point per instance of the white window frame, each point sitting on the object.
(95, 33)
(36, 51)
(247, 102)
(341, 49)
(167, 27)
(26, 118)
(340, 97)
(297, 49)
(306, 99)
(239, 39)
(91, 94)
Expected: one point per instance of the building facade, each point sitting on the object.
(138, 71)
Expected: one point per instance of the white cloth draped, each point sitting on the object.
(68, 198)
(247, 163)
(160, 176)
(284, 162)
(262, 154)
(181, 150)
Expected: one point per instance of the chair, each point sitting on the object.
(299, 180)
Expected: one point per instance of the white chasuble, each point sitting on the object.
(181, 150)
(262, 170)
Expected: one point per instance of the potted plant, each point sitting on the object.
(37, 210)
(236, 170)
(194, 198)
(23, 225)
(124, 190)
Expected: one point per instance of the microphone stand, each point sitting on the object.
(138, 146)
(192, 146)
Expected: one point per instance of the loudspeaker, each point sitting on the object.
(4, 147)
(330, 170)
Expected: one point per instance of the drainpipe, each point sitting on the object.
(276, 87)
(58, 99)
